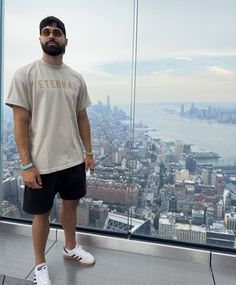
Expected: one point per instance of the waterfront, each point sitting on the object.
(201, 134)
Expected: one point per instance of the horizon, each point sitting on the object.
(185, 53)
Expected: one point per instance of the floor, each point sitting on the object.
(112, 267)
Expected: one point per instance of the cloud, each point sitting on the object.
(100, 45)
(220, 71)
(180, 87)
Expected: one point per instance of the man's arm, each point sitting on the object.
(31, 176)
(85, 134)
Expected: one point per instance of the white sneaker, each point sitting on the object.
(41, 276)
(84, 257)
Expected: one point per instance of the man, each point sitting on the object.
(52, 134)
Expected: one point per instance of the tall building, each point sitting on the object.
(208, 190)
(227, 200)
(117, 156)
(10, 188)
(178, 152)
(21, 194)
(142, 151)
(6, 188)
(230, 221)
(191, 164)
(83, 212)
(166, 227)
(219, 210)
(208, 176)
(112, 192)
(98, 213)
(108, 104)
(190, 233)
(198, 217)
(173, 204)
(219, 184)
(209, 216)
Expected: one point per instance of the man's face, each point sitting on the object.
(53, 41)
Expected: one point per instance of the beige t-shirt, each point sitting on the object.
(53, 95)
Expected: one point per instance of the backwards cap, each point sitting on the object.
(54, 22)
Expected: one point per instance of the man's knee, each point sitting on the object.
(42, 217)
(69, 204)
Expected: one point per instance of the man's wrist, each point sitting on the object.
(88, 153)
(27, 166)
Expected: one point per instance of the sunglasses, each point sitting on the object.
(55, 33)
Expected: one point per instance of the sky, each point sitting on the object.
(186, 49)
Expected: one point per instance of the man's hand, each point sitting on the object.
(32, 178)
(89, 163)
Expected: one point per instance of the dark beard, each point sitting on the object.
(53, 50)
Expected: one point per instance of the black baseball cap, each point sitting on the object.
(52, 21)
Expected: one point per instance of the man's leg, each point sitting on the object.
(68, 218)
(40, 230)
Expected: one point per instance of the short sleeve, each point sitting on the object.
(83, 100)
(18, 93)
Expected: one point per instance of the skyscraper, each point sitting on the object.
(108, 104)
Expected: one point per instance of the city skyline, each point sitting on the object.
(203, 130)
(169, 190)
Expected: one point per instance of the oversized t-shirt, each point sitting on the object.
(53, 95)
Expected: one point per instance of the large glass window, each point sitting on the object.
(163, 124)
(100, 48)
(186, 119)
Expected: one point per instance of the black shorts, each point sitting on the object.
(70, 183)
